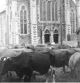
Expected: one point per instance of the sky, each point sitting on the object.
(2, 5)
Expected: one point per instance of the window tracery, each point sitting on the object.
(48, 10)
(23, 20)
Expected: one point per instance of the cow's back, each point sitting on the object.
(22, 60)
(62, 56)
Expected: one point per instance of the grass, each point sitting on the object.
(60, 77)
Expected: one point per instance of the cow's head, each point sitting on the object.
(4, 59)
(8, 66)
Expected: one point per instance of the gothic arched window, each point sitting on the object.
(56, 32)
(47, 31)
(23, 20)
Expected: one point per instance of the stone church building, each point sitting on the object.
(38, 21)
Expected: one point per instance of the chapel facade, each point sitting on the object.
(39, 21)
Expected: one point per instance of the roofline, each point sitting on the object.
(2, 11)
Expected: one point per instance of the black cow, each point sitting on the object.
(62, 57)
(26, 63)
(19, 64)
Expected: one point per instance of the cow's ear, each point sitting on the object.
(3, 58)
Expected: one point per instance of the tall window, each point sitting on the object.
(23, 20)
(72, 22)
(44, 11)
(49, 10)
(10, 13)
(53, 11)
(56, 17)
(41, 9)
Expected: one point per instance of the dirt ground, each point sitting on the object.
(60, 77)
(64, 77)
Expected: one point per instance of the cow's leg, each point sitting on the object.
(72, 74)
(20, 75)
(64, 69)
(28, 74)
(27, 78)
(9, 74)
(51, 75)
(34, 76)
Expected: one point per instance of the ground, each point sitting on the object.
(60, 77)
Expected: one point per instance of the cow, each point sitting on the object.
(19, 64)
(62, 57)
(25, 63)
(74, 62)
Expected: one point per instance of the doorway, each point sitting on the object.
(47, 36)
(55, 36)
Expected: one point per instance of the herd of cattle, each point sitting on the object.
(24, 63)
